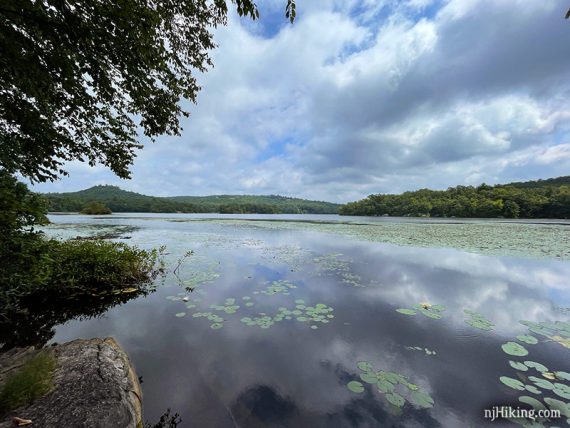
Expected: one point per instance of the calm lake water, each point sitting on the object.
(288, 310)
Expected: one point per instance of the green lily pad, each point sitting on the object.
(527, 338)
(421, 399)
(406, 311)
(181, 314)
(369, 377)
(480, 324)
(562, 375)
(541, 383)
(512, 383)
(355, 386)
(365, 366)
(390, 377)
(384, 386)
(537, 405)
(555, 404)
(216, 326)
(562, 390)
(533, 389)
(513, 348)
(518, 366)
(395, 399)
(534, 365)
(433, 315)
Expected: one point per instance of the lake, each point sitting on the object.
(327, 321)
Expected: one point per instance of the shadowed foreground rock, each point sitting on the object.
(94, 386)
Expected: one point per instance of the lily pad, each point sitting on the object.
(537, 405)
(395, 399)
(384, 386)
(355, 386)
(555, 404)
(562, 390)
(533, 389)
(541, 383)
(181, 314)
(512, 383)
(562, 375)
(513, 348)
(534, 365)
(518, 366)
(527, 338)
(369, 377)
(421, 399)
(406, 311)
(216, 326)
(365, 366)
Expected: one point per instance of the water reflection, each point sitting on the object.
(292, 375)
(34, 325)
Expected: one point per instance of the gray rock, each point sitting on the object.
(94, 386)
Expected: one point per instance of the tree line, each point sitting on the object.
(118, 200)
(533, 199)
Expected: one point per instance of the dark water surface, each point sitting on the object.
(222, 372)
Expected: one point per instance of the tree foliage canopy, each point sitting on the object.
(80, 78)
(533, 199)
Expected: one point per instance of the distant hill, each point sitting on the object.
(531, 199)
(119, 200)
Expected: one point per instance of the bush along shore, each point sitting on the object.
(36, 269)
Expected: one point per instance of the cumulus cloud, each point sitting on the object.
(365, 97)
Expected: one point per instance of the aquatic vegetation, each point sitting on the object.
(294, 256)
(229, 306)
(512, 383)
(320, 313)
(478, 321)
(181, 314)
(280, 286)
(395, 387)
(217, 321)
(543, 385)
(513, 348)
(419, 348)
(531, 340)
(330, 264)
(355, 386)
(427, 309)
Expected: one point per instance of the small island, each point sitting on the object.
(96, 208)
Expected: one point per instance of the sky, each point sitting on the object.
(368, 96)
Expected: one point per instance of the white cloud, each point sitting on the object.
(364, 97)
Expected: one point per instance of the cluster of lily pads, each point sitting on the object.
(477, 320)
(395, 387)
(320, 313)
(330, 263)
(229, 306)
(427, 309)
(281, 286)
(419, 348)
(558, 331)
(550, 386)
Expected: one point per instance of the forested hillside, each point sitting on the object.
(119, 200)
(532, 199)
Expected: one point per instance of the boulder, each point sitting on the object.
(94, 385)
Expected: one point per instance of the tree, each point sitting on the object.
(79, 78)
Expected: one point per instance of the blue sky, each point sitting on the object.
(368, 96)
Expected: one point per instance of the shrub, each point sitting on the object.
(96, 208)
(29, 382)
(87, 265)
